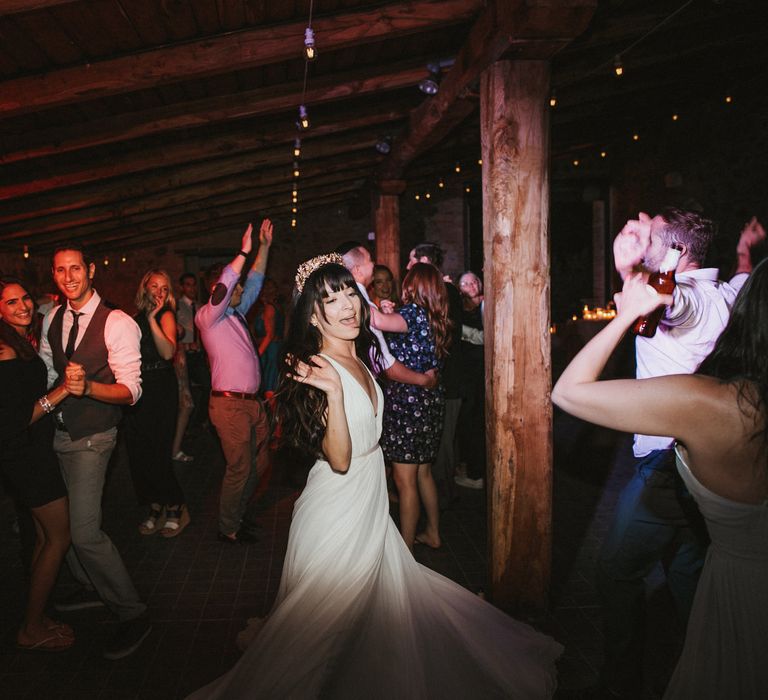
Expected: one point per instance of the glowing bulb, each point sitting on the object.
(295, 199)
(295, 169)
(427, 195)
(635, 137)
(106, 261)
(479, 161)
(26, 252)
(310, 52)
(297, 148)
(123, 258)
(293, 223)
(618, 67)
(441, 184)
(303, 121)
(553, 99)
(458, 167)
(294, 210)
(675, 117)
(467, 189)
(728, 99)
(603, 154)
(576, 162)
(417, 197)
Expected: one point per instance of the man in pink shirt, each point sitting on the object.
(235, 409)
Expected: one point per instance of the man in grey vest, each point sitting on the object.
(103, 345)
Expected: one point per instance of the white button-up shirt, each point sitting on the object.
(386, 356)
(121, 336)
(685, 336)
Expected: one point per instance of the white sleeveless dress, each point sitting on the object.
(357, 617)
(726, 644)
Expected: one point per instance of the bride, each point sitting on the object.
(355, 615)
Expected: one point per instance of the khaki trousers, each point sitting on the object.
(243, 430)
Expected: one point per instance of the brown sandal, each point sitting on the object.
(176, 519)
(154, 521)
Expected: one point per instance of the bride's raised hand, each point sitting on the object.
(318, 373)
(638, 298)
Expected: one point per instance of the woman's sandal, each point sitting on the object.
(176, 519)
(154, 520)
(52, 643)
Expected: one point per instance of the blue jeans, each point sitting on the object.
(655, 517)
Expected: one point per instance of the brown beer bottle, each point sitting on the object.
(663, 282)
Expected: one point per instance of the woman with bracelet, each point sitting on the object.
(151, 423)
(28, 462)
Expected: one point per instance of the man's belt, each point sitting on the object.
(235, 395)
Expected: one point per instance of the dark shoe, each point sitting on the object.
(249, 527)
(128, 638)
(81, 599)
(240, 537)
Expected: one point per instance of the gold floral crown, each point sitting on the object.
(309, 266)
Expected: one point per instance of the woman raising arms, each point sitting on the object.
(355, 615)
(718, 417)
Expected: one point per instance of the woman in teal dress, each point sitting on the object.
(268, 328)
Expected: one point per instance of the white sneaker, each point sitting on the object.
(468, 483)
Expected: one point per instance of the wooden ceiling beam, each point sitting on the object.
(147, 222)
(14, 7)
(263, 145)
(204, 112)
(226, 53)
(190, 196)
(519, 28)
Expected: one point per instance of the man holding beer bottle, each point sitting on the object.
(655, 514)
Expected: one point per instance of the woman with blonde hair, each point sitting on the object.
(151, 423)
(413, 416)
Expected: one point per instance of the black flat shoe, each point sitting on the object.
(239, 537)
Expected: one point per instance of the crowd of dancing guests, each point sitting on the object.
(364, 363)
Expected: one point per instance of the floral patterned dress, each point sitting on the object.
(413, 416)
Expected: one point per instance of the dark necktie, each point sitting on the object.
(70, 349)
(195, 332)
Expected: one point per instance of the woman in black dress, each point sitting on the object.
(151, 423)
(28, 462)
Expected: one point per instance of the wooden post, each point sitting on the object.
(514, 138)
(386, 224)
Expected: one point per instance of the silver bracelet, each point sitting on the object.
(45, 404)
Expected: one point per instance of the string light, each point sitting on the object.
(310, 52)
(106, 262)
(675, 117)
(297, 147)
(552, 99)
(458, 167)
(295, 198)
(294, 210)
(303, 121)
(123, 258)
(479, 161)
(635, 137)
(728, 99)
(441, 184)
(417, 197)
(427, 195)
(26, 252)
(575, 162)
(467, 189)
(293, 223)
(603, 154)
(618, 66)
(296, 168)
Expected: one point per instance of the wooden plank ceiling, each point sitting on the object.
(124, 122)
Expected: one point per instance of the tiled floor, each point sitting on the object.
(200, 591)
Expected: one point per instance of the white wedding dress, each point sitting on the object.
(357, 617)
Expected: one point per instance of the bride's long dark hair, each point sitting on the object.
(302, 408)
(740, 355)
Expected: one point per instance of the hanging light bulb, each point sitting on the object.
(479, 161)
(295, 198)
(618, 66)
(123, 258)
(293, 223)
(575, 162)
(417, 197)
(467, 189)
(294, 210)
(296, 168)
(303, 121)
(458, 167)
(552, 99)
(26, 252)
(441, 184)
(675, 117)
(297, 147)
(106, 261)
(635, 137)
(310, 52)
(728, 99)
(427, 195)
(603, 154)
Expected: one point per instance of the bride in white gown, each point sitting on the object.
(356, 616)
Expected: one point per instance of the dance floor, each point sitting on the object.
(200, 591)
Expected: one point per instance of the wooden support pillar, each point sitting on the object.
(514, 137)
(386, 224)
